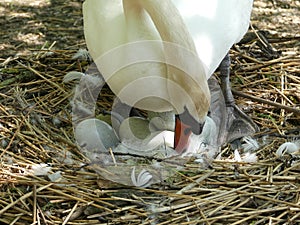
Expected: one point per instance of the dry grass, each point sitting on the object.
(36, 127)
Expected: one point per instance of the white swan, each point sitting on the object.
(147, 51)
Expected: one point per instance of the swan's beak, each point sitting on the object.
(184, 127)
(182, 135)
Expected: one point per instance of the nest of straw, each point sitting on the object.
(36, 134)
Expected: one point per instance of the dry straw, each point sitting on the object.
(36, 128)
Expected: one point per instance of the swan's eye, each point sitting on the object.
(193, 125)
(197, 128)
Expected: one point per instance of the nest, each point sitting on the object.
(45, 179)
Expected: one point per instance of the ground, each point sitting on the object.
(39, 39)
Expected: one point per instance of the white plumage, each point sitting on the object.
(215, 26)
(147, 50)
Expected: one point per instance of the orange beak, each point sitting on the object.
(182, 135)
(185, 125)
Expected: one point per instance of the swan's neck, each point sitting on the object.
(184, 69)
(166, 18)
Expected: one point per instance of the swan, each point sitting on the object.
(158, 55)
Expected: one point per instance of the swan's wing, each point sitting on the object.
(215, 26)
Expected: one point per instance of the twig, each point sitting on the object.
(275, 104)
